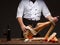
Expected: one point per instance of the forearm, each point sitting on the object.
(49, 17)
(52, 19)
(20, 20)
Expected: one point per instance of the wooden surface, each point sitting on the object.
(20, 41)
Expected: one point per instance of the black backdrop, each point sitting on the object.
(8, 9)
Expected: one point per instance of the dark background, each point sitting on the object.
(8, 9)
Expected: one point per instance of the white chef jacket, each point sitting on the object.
(29, 10)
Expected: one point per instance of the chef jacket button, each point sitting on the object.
(35, 9)
(35, 14)
(30, 9)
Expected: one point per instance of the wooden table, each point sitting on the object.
(20, 41)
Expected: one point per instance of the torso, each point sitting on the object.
(32, 10)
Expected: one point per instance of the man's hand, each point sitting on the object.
(23, 27)
(55, 19)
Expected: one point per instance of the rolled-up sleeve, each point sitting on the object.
(20, 10)
(45, 10)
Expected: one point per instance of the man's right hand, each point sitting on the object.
(23, 27)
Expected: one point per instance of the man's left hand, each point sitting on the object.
(55, 19)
